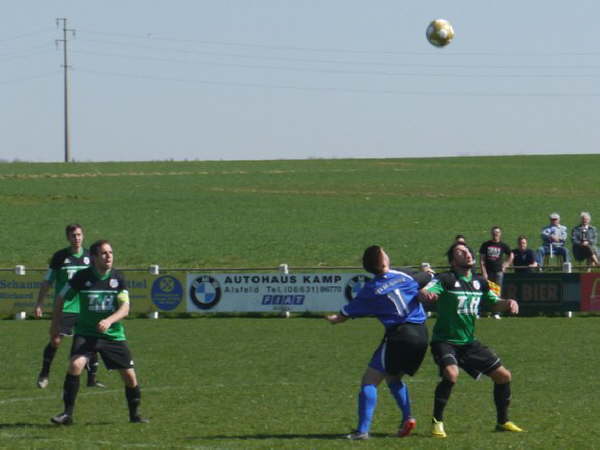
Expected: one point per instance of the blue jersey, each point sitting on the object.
(390, 297)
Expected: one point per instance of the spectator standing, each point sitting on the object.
(523, 258)
(554, 237)
(492, 257)
(585, 239)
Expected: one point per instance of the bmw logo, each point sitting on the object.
(205, 292)
(354, 285)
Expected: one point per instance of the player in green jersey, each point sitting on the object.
(457, 294)
(63, 265)
(103, 302)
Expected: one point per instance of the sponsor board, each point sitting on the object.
(19, 292)
(265, 292)
(590, 291)
(146, 292)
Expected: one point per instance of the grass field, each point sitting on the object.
(277, 383)
(304, 213)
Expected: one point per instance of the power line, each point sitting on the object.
(333, 71)
(31, 77)
(157, 37)
(338, 61)
(24, 35)
(333, 89)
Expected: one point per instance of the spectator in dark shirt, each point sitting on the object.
(492, 254)
(523, 258)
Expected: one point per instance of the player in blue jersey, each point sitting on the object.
(391, 297)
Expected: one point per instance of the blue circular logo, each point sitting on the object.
(166, 293)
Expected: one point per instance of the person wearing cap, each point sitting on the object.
(585, 238)
(554, 237)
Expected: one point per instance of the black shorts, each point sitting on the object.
(68, 323)
(402, 349)
(115, 354)
(474, 358)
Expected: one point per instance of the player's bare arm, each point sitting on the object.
(507, 305)
(336, 318)
(38, 311)
(56, 316)
(120, 313)
(427, 297)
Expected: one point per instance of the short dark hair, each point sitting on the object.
(459, 236)
(450, 252)
(372, 259)
(95, 247)
(521, 237)
(72, 227)
(495, 227)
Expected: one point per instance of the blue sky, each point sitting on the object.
(292, 79)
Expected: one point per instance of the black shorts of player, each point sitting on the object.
(476, 359)
(68, 323)
(405, 346)
(115, 354)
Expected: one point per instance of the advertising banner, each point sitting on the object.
(264, 292)
(590, 292)
(19, 292)
(541, 292)
(163, 293)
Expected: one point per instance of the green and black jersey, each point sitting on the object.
(99, 297)
(457, 306)
(63, 266)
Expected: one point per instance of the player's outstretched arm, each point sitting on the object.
(427, 297)
(507, 305)
(335, 318)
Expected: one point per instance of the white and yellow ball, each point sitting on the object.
(440, 33)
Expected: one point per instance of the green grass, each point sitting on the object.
(304, 213)
(273, 383)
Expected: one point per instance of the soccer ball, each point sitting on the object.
(439, 33)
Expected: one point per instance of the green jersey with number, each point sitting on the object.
(99, 297)
(457, 306)
(63, 265)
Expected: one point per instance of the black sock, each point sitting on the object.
(134, 398)
(92, 368)
(442, 395)
(48, 356)
(502, 397)
(70, 389)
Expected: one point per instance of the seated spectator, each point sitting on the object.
(554, 237)
(492, 253)
(523, 258)
(585, 239)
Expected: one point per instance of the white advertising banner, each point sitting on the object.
(264, 292)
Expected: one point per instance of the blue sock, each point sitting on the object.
(400, 393)
(367, 401)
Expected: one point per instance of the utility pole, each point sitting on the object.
(67, 85)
